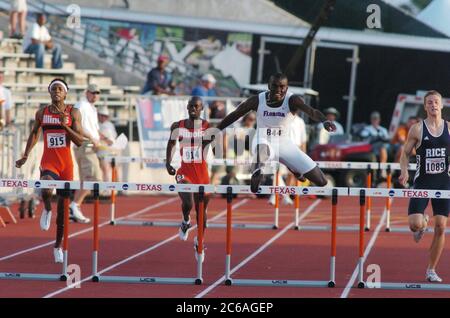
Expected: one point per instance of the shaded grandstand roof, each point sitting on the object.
(352, 14)
(249, 11)
(436, 15)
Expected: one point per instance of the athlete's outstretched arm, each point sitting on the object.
(76, 132)
(243, 108)
(32, 138)
(411, 141)
(297, 103)
(170, 150)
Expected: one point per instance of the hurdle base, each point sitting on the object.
(367, 229)
(228, 282)
(361, 285)
(198, 281)
(31, 276)
(331, 284)
(327, 228)
(95, 279)
(148, 280)
(112, 222)
(387, 229)
(280, 282)
(63, 278)
(412, 286)
(209, 225)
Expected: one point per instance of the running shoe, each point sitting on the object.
(58, 253)
(431, 276)
(256, 180)
(184, 230)
(272, 199)
(76, 215)
(202, 256)
(46, 218)
(419, 234)
(287, 200)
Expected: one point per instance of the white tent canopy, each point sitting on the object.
(436, 15)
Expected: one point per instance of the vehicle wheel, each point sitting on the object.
(354, 178)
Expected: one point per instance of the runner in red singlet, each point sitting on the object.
(189, 133)
(60, 124)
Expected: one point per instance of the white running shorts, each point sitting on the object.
(287, 153)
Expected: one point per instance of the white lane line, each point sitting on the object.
(259, 250)
(59, 291)
(154, 206)
(369, 247)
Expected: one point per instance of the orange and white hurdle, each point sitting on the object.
(66, 186)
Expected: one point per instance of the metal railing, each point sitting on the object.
(96, 39)
(9, 152)
(122, 107)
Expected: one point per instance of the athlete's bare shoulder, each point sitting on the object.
(40, 112)
(175, 125)
(251, 103)
(414, 131)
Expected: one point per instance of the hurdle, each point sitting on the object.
(388, 227)
(45, 184)
(150, 223)
(200, 189)
(390, 193)
(283, 282)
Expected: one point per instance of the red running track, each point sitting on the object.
(158, 252)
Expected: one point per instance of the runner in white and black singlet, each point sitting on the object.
(431, 139)
(275, 110)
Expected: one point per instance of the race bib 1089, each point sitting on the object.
(434, 165)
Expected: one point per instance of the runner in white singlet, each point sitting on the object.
(275, 111)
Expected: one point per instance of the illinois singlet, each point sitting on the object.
(57, 157)
(193, 164)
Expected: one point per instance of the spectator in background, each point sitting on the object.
(159, 80)
(332, 115)
(38, 40)
(18, 12)
(5, 103)
(216, 110)
(377, 136)
(400, 137)
(108, 130)
(206, 89)
(86, 156)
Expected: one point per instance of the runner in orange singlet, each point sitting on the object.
(189, 133)
(60, 124)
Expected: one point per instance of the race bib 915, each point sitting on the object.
(56, 140)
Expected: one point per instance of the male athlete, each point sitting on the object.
(431, 139)
(61, 124)
(275, 109)
(189, 133)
